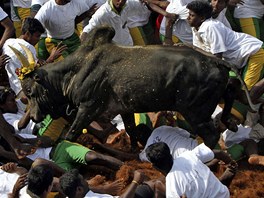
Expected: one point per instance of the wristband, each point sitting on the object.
(135, 182)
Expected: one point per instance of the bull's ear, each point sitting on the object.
(101, 35)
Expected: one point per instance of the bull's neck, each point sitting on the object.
(62, 77)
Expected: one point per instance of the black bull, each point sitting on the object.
(102, 78)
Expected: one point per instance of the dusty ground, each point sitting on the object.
(248, 182)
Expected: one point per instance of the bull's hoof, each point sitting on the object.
(230, 124)
(209, 134)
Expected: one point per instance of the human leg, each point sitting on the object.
(21, 14)
(142, 35)
(252, 75)
(175, 39)
(251, 150)
(102, 134)
(257, 91)
(115, 152)
(251, 26)
(69, 155)
(42, 51)
(254, 71)
(94, 158)
(113, 188)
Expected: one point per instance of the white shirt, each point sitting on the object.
(41, 3)
(190, 176)
(14, 62)
(222, 18)
(38, 2)
(22, 3)
(91, 194)
(213, 36)
(7, 183)
(181, 28)
(3, 14)
(230, 138)
(119, 122)
(249, 9)
(14, 118)
(59, 20)
(140, 19)
(105, 15)
(14, 17)
(176, 138)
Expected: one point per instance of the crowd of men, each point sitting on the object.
(38, 162)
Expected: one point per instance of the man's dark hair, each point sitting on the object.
(69, 182)
(201, 8)
(159, 155)
(4, 92)
(32, 25)
(40, 178)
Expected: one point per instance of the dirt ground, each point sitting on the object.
(248, 182)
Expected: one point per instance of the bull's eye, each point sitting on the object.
(28, 92)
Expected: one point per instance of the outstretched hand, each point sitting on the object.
(20, 183)
(24, 150)
(10, 167)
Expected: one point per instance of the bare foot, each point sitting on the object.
(106, 132)
(115, 137)
(256, 160)
(114, 188)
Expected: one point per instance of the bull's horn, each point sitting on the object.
(20, 56)
(30, 56)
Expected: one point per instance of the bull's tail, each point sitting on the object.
(235, 70)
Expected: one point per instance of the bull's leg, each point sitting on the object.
(230, 94)
(129, 121)
(85, 115)
(208, 133)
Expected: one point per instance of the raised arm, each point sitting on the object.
(138, 179)
(170, 20)
(7, 132)
(9, 30)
